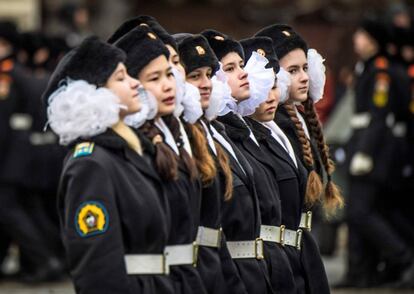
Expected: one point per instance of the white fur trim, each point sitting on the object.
(317, 76)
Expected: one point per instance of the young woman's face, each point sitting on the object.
(296, 63)
(157, 77)
(174, 59)
(267, 110)
(233, 66)
(201, 78)
(126, 88)
(364, 45)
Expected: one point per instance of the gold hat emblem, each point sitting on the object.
(142, 24)
(261, 52)
(219, 38)
(152, 36)
(286, 33)
(200, 50)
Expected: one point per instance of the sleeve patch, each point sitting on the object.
(91, 219)
(83, 149)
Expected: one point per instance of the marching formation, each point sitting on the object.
(194, 162)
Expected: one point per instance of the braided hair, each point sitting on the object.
(314, 185)
(333, 198)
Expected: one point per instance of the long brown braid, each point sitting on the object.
(333, 198)
(203, 159)
(314, 185)
(173, 124)
(224, 162)
(165, 160)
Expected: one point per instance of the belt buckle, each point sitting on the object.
(219, 236)
(258, 243)
(308, 220)
(298, 240)
(165, 266)
(282, 235)
(195, 253)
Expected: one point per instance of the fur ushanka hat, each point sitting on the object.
(195, 52)
(284, 38)
(144, 20)
(222, 44)
(93, 61)
(141, 46)
(264, 47)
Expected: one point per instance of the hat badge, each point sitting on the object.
(219, 38)
(200, 50)
(286, 33)
(152, 35)
(143, 24)
(260, 51)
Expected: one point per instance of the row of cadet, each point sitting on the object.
(379, 159)
(30, 159)
(178, 178)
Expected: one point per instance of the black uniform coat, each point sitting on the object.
(316, 279)
(281, 276)
(137, 217)
(184, 197)
(241, 222)
(209, 263)
(377, 140)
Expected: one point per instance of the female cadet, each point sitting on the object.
(147, 59)
(289, 172)
(200, 63)
(304, 131)
(113, 211)
(252, 268)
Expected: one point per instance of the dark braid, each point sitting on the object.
(224, 162)
(165, 160)
(172, 122)
(314, 184)
(333, 198)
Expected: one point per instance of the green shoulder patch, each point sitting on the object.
(83, 149)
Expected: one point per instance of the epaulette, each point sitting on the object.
(83, 149)
(7, 65)
(381, 62)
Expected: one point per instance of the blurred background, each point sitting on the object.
(41, 31)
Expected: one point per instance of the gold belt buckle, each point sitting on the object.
(165, 266)
(308, 220)
(282, 235)
(195, 253)
(298, 240)
(258, 243)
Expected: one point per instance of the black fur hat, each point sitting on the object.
(143, 20)
(93, 61)
(284, 38)
(141, 46)
(195, 52)
(222, 44)
(377, 29)
(263, 46)
(8, 32)
(179, 37)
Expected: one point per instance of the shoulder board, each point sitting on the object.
(411, 71)
(83, 149)
(381, 63)
(7, 65)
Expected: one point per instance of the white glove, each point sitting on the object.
(361, 164)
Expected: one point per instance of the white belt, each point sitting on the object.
(20, 122)
(145, 264)
(209, 237)
(42, 138)
(306, 221)
(246, 249)
(360, 120)
(281, 235)
(181, 254)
